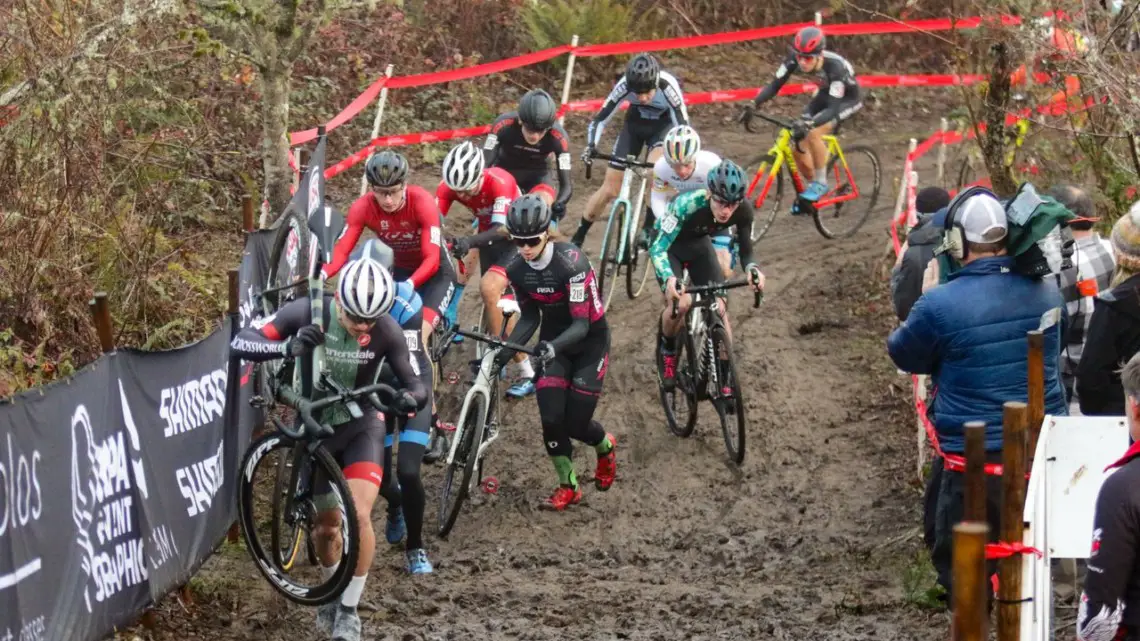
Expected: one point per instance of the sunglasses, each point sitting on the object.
(388, 192)
(533, 241)
(356, 320)
(807, 59)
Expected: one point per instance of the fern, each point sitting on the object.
(552, 23)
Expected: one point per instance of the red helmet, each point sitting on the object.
(809, 41)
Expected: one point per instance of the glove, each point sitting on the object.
(746, 114)
(307, 338)
(557, 211)
(544, 351)
(588, 153)
(755, 276)
(460, 247)
(405, 403)
(802, 128)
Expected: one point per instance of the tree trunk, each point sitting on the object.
(276, 81)
(994, 140)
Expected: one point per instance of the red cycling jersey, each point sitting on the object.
(412, 231)
(490, 204)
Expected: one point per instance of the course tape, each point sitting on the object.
(489, 68)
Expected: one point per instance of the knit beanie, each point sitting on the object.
(1126, 240)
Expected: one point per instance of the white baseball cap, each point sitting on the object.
(981, 214)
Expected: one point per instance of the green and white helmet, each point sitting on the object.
(681, 145)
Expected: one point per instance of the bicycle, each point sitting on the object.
(478, 424)
(627, 218)
(707, 373)
(768, 168)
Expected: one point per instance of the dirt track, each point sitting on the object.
(811, 538)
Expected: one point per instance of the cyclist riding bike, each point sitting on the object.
(487, 193)
(684, 238)
(655, 105)
(521, 141)
(558, 296)
(360, 335)
(683, 168)
(1061, 44)
(836, 100)
(406, 218)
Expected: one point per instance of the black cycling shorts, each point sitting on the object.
(581, 368)
(357, 447)
(534, 181)
(637, 134)
(699, 256)
(436, 293)
(847, 108)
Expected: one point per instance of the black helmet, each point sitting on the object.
(726, 182)
(387, 169)
(377, 250)
(528, 216)
(537, 110)
(809, 41)
(641, 73)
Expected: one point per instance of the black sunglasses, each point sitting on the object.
(527, 242)
(356, 320)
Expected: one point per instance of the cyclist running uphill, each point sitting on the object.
(656, 105)
(406, 218)
(684, 239)
(558, 296)
(836, 100)
(521, 141)
(405, 492)
(487, 194)
(683, 168)
(360, 335)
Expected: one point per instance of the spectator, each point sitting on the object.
(1114, 329)
(1090, 274)
(918, 250)
(1110, 603)
(969, 336)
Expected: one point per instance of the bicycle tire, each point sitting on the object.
(762, 223)
(292, 222)
(332, 587)
(611, 241)
(288, 472)
(683, 385)
(726, 369)
(865, 201)
(466, 452)
(637, 255)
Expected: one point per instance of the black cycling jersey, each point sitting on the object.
(836, 80)
(667, 106)
(690, 218)
(1110, 604)
(560, 291)
(352, 362)
(505, 147)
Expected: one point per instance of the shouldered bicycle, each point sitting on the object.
(619, 244)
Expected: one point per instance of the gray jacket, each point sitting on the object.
(906, 277)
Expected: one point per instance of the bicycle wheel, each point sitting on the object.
(764, 218)
(463, 464)
(683, 398)
(728, 400)
(291, 470)
(304, 508)
(288, 259)
(611, 246)
(860, 173)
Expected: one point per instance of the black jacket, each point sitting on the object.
(906, 277)
(1113, 337)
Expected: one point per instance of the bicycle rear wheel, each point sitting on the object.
(463, 465)
(859, 172)
(251, 489)
(680, 405)
(762, 164)
(292, 469)
(608, 263)
(727, 398)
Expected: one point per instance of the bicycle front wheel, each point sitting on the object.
(300, 585)
(286, 532)
(727, 398)
(766, 203)
(609, 264)
(858, 177)
(680, 404)
(463, 465)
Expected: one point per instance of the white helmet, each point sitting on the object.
(463, 167)
(366, 289)
(681, 145)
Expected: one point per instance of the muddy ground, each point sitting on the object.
(814, 536)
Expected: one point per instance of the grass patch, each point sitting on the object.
(920, 583)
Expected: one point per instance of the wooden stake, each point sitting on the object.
(102, 315)
(247, 212)
(235, 300)
(1036, 388)
(1013, 488)
(975, 500)
(970, 616)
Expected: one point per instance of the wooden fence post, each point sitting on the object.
(1036, 389)
(1012, 519)
(975, 500)
(102, 316)
(969, 566)
(247, 212)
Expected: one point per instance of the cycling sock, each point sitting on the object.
(327, 572)
(351, 596)
(526, 369)
(821, 175)
(565, 468)
(606, 446)
(452, 313)
(580, 234)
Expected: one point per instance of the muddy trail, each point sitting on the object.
(814, 536)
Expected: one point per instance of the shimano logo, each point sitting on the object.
(200, 482)
(345, 355)
(193, 404)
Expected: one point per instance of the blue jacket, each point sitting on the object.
(969, 336)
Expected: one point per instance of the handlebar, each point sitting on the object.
(779, 122)
(309, 427)
(720, 287)
(497, 342)
(627, 161)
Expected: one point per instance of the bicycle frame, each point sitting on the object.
(782, 150)
(629, 230)
(483, 386)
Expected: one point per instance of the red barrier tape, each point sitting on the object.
(348, 113)
(485, 69)
(1003, 550)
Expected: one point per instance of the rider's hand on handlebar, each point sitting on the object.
(405, 403)
(557, 211)
(307, 338)
(544, 351)
(460, 247)
(756, 278)
(588, 154)
(671, 289)
(746, 114)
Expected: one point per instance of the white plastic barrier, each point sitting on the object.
(1068, 470)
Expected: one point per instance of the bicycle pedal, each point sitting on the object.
(489, 485)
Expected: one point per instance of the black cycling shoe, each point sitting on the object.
(437, 448)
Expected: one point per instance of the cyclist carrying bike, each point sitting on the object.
(837, 99)
(360, 335)
(558, 296)
(487, 193)
(683, 168)
(684, 238)
(521, 141)
(656, 105)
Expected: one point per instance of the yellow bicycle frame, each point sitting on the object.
(782, 150)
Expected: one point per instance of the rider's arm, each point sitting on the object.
(354, 224)
(443, 198)
(561, 152)
(428, 216)
(659, 196)
(744, 236)
(399, 359)
(268, 338)
(529, 319)
(491, 144)
(772, 88)
(1112, 561)
(838, 73)
(668, 84)
(598, 124)
(668, 226)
